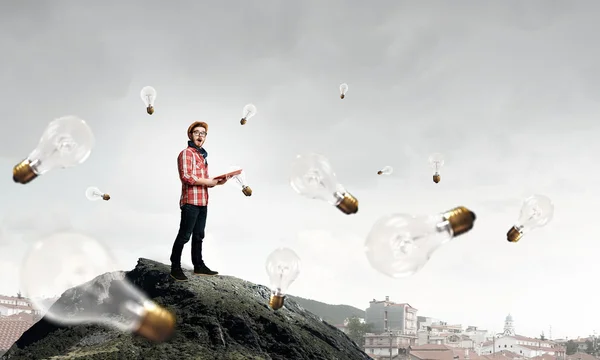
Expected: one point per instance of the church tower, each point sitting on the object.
(509, 328)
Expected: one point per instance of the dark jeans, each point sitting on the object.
(193, 222)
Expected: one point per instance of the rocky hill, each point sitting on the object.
(219, 317)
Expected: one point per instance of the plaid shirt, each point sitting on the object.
(192, 166)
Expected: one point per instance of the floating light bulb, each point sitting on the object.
(437, 161)
(313, 177)
(387, 170)
(148, 95)
(536, 212)
(283, 268)
(65, 263)
(248, 112)
(399, 245)
(343, 90)
(239, 181)
(93, 193)
(66, 142)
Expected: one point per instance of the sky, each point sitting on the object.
(508, 91)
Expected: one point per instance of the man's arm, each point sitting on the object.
(185, 165)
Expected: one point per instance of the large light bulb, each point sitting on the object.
(148, 95)
(343, 90)
(93, 193)
(399, 245)
(536, 212)
(387, 170)
(313, 177)
(239, 181)
(248, 112)
(283, 268)
(65, 263)
(437, 161)
(66, 142)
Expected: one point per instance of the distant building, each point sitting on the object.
(11, 305)
(522, 346)
(394, 328)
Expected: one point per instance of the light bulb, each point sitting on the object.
(148, 95)
(387, 170)
(399, 245)
(536, 212)
(248, 112)
(66, 142)
(313, 177)
(437, 161)
(283, 268)
(343, 90)
(93, 193)
(239, 181)
(65, 263)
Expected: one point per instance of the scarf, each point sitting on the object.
(201, 150)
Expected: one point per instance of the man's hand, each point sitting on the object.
(221, 181)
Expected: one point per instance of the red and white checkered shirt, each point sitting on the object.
(192, 166)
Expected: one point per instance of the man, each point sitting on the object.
(193, 172)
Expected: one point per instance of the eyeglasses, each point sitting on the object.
(199, 133)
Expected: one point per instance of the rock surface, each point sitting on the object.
(220, 317)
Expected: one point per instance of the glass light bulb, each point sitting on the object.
(437, 161)
(248, 111)
(399, 245)
(283, 268)
(66, 142)
(93, 193)
(387, 170)
(148, 95)
(343, 89)
(75, 261)
(536, 212)
(239, 181)
(312, 176)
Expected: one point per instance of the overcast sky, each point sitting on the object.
(508, 91)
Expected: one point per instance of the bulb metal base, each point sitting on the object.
(243, 121)
(342, 96)
(379, 172)
(461, 219)
(150, 110)
(247, 190)
(349, 204)
(23, 173)
(514, 234)
(157, 324)
(105, 197)
(276, 301)
(437, 178)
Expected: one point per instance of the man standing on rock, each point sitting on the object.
(193, 172)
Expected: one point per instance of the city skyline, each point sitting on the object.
(508, 92)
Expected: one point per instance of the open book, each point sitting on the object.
(228, 175)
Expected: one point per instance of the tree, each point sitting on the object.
(589, 347)
(571, 347)
(357, 330)
(542, 337)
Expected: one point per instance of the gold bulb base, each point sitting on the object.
(342, 96)
(379, 172)
(276, 301)
(150, 110)
(349, 204)
(437, 178)
(461, 219)
(513, 235)
(247, 191)
(243, 121)
(105, 197)
(23, 173)
(158, 323)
